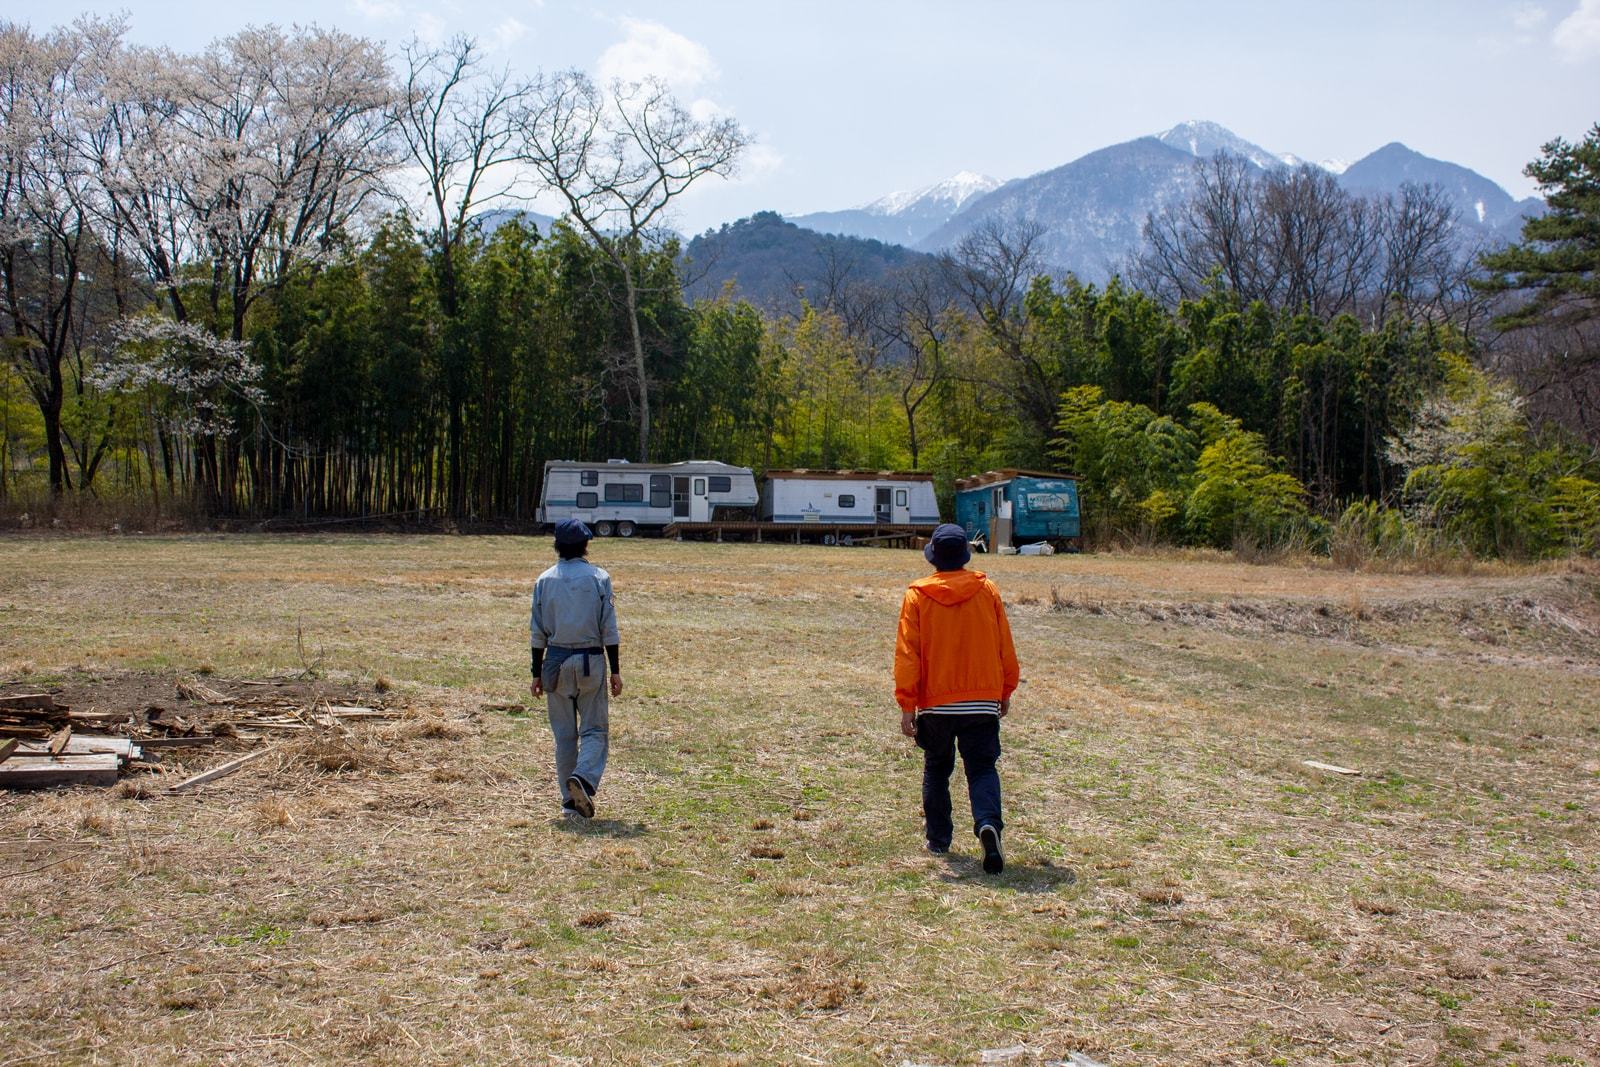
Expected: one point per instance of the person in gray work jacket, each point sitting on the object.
(573, 627)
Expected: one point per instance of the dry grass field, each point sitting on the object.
(1181, 889)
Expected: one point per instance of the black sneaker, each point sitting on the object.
(993, 861)
(937, 850)
(578, 794)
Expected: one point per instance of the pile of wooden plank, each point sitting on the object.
(65, 759)
(45, 743)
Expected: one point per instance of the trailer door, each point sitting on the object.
(680, 498)
(883, 506)
(699, 503)
(902, 506)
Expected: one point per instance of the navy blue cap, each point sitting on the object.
(572, 532)
(948, 549)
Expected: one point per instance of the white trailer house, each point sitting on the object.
(623, 498)
(849, 498)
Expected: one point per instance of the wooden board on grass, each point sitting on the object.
(221, 771)
(1331, 768)
(178, 742)
(83, 745)
(99, 768)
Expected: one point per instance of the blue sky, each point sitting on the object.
(849, 101)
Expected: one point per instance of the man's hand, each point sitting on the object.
(1005, 706)
(616, 685)
(538, 688)
(908, 723)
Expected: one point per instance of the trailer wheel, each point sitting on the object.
(847, 539)
(829, 539)
(602, 529)
(624, 528)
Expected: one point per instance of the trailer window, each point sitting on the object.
(699, 487)
(588, 477)
(661, 483)
(847, 501)
(588, 501)
(721, 483)
(624, 493)
(899, 498)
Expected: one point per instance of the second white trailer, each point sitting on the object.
(849, 497)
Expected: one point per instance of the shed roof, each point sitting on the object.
(623, 466)
(853, 475)
(992, 477)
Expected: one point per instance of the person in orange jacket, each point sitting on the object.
(955, 669)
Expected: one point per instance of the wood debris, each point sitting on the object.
(98, 768)
(1329, 767)
(31, 715)
(194, 741)
(28, 702)
(221, 771)
(82, 745)
(38, 715)
(66, 758)
(51, 744)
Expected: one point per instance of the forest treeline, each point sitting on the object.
(253, 283)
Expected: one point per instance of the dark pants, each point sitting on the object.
(978, 737)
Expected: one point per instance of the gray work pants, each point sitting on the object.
(580, 718)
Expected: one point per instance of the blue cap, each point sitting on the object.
(948, 549)
(572, 532)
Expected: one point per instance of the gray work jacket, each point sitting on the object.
(573, 608)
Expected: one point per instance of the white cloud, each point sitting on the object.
(650, 50)
(377, 9)
(508, 33)
(1527, 17)
(1578, 35)
(704, 109)
(429, 28)
(760, 161)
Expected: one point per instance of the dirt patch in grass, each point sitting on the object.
(1556, 617)
(200, 698)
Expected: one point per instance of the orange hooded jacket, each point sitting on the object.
(954, 642)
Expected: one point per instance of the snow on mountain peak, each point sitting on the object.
(1204, 139)
(949, 194)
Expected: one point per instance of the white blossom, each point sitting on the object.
(193, 372)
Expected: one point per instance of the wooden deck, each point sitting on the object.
(868, 534)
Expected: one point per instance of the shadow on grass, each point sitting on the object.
(1021, 875)
(574, 824)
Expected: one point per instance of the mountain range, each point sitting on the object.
(903, 218)
(1093, 209)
